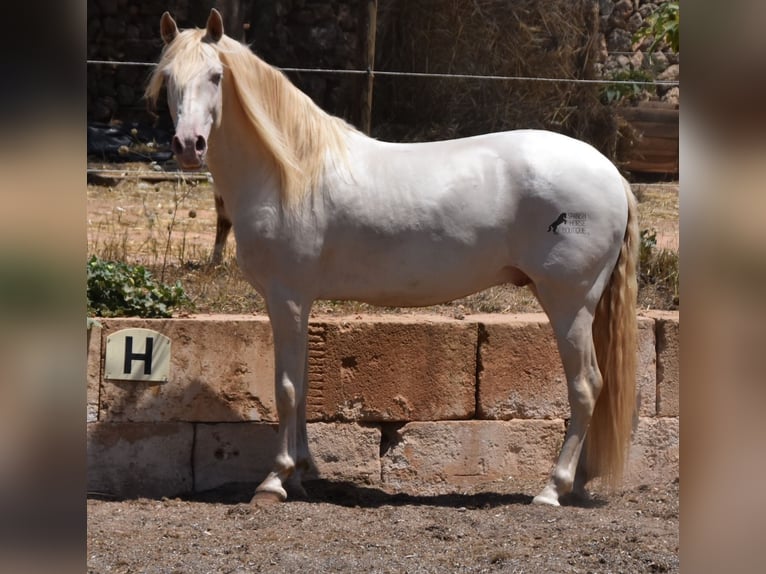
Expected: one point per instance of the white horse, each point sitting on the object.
(320, 210)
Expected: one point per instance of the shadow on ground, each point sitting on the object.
(353, 495)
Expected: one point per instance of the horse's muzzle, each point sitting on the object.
(189, 151)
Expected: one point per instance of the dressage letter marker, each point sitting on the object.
(137, 355)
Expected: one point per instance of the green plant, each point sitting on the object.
(657, 267)
(630, 84)
(117, 289)
(646, 245)
(662, 25)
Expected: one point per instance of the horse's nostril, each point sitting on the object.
(200, 144)
(177, 146)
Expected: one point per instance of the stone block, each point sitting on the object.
(139, 459)
(221, 369)
(392, 369)
(233, 452)
(93, 373)
(646, 368)
(654, 452)
(244, 452)
(453, 455)
(344, 451)
(668, 361)
(521, 375)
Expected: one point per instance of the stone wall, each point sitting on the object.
(286, 33)
(619, 55)
(421, 404)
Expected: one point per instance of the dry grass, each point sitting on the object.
(489, 37)
(151, 223)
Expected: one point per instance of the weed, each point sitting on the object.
(631, 92)
(662, 26)
(117, 289)
(657, 267)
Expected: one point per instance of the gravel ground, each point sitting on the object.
(352, 528)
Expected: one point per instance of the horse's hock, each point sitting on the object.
(420, 404)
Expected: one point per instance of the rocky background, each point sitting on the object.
(286, 33)
(620, 57)
(316, 34)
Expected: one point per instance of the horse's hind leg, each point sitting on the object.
(222, 229)
(573, 331)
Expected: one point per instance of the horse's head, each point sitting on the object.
(192, 73)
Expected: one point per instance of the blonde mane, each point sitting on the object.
(295, 132)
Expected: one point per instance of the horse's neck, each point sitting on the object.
(238, 161)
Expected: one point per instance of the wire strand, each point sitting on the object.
(373, 73)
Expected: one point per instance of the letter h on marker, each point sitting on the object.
(146, 357)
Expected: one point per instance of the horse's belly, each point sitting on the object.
(415, 278)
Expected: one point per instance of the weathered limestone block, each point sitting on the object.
(668, 363)
(521, 375)
(93, 373)
(392, 369)
(139, 459)
(654, 453)
(244, 452)
(453, 455)
(222, 369)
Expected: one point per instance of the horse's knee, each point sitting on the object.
(286, 394)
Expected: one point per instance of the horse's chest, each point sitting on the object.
(265, 247)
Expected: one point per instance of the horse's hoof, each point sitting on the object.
(548, 497)
(266, 498)
(545, 500)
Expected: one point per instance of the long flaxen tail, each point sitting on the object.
(615, 334)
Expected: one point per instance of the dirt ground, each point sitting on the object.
(351, 528)
(345, 527)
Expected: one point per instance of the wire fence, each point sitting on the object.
(383, 73)
(185, 176)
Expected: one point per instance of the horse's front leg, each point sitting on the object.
(289, 323)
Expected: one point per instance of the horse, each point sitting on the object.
(321, 211)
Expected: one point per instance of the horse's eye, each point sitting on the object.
(216, 78)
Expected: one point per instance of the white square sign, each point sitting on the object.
(137, 355)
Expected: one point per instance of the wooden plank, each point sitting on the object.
(372, 25)
(656, 128)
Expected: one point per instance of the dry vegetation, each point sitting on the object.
(526, 38)
(169, 226)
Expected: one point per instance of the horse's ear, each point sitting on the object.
(168, 28)
(214, 25)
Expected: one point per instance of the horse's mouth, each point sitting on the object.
(188, 164)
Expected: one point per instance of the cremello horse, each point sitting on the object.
(319, 210)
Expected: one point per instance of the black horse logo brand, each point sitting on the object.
(559, 220)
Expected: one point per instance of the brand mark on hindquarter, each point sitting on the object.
(569, 222)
